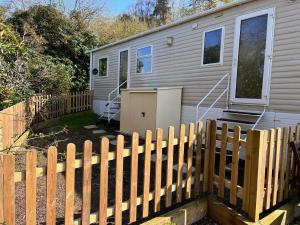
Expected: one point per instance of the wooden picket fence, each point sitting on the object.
(267, 174)
(266, 177)
(15, 120)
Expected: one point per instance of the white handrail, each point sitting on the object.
(259, 119)
(117, 88)
(209, 93)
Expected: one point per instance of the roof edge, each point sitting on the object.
(175, 23)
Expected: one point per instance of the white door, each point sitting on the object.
(252, 58)
(124, 68)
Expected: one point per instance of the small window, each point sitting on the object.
(103, 67)
(213, 47)
(144, 60)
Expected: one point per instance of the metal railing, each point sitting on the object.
(113, 102)
(215, 102)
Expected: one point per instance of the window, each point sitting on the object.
(103, 67)
(144, 60)
(213, 44)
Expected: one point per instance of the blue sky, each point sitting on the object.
(119, 6)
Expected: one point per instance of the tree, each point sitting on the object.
(162, 12)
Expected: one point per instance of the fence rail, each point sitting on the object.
(258, 182)
(15, 120)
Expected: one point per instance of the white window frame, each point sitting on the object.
(137, 57)
(222, 46)
(107, 66)
(268, 58)
(128, 66)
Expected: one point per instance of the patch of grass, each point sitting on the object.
(72, 121)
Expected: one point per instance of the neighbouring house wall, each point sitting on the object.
(180, 65)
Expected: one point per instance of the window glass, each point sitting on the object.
(144, 60)
(212, 46)
(103, 67)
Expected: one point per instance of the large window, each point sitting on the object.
(103, 67)
(213, 43)
(144, 60)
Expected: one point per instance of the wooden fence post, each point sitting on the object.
(1, 191)
(257, 143)
(212, 155)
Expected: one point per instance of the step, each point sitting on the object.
(236, 121)
(248, 113)
(232, 130)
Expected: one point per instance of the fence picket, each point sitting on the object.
(147, 173)
(9, 188)
(119, 180)
(191, 139)
(282, 163)
(288, 164)
(277, 165)
(70, 184)
(51, 186)
(31, 187)
(170, 167)
(212, 154)
(223, 160)
(86, 183)
(1, 190)
(206, 156)
(103, 181)
(180, 163)
(158, 168)
(198, 159)
(270, 168)
(133, 176)
(235, 164)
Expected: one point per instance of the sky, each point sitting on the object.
(118, 6)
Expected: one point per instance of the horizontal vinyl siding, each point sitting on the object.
(180, 65)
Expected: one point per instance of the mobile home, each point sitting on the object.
(238, 63)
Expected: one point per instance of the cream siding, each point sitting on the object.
(180, 65)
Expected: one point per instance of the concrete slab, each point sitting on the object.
(89, 127)
(114, 142)
(99, 132)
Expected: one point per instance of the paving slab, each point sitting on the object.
(89, 127)
(114, 142)
(99, 132)
(111, 136)
(184, 168)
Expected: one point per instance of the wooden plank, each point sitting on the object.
(223, 160)
(86, 182)
(212, 155)
(70, 184)
(119, 180)
(9, 189)
(31, 188)
(282, 163)
(198, 159)
(276, 165)
(133, 176)
(103, 181)
(270, 168)
(51, 186)
(147, 173)
(235, 165)
(190, 151)
(257, 175)
(1, 190)
(206, 156)
(263, 161)
(158, 168)
(180, 163)
(288, 164)
(169, 181)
